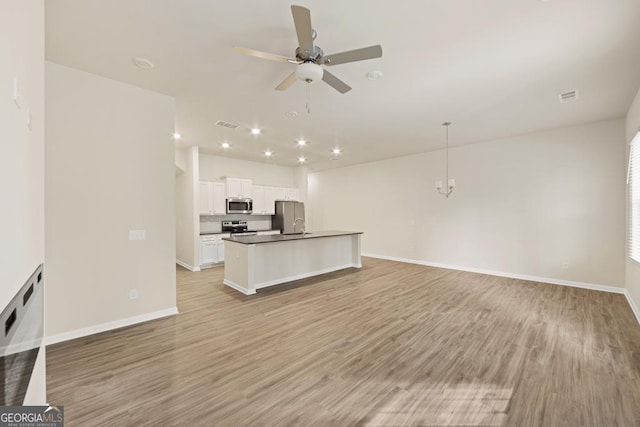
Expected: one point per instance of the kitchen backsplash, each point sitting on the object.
(213, 224)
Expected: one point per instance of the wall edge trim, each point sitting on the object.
(187, 266)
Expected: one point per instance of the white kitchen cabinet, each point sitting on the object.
(206, 198)
(221, 251)
(212, 249)
(212, 198)
(209, 252)
(259, 202)
(292, 194)
(270, 200)
(239, 188)
(264, 198)
(219, 196)
(283, 193)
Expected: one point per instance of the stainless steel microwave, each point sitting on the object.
(239, 206)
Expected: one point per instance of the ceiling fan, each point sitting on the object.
(310, 57)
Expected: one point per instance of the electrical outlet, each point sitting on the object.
(565, 265)
(133, 294)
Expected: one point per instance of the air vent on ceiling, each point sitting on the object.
(226, 124)
(568, 96)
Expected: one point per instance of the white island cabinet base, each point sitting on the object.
(251, 266)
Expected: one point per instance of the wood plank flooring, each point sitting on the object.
(390, 344)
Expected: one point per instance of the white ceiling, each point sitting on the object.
(492, 67)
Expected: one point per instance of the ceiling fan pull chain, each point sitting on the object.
(308, 98)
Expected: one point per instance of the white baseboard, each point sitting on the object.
(187, 266)
(592, 286)
(633, 305)
(238, 287)
(79, 333)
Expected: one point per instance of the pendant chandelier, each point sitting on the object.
(450, 182)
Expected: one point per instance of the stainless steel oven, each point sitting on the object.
(239, 206)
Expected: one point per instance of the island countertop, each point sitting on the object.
(251, 240)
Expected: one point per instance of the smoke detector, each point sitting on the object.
(143, 63)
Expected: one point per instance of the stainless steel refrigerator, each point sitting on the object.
(289, 217)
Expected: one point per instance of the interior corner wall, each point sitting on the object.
(22, 158)
(632, 279)
(187, 215)
(522, 206)
(109, 169)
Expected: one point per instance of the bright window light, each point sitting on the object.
(633, 180)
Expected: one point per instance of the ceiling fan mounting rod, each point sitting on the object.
(315, 56)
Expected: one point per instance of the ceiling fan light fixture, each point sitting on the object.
(309, 72)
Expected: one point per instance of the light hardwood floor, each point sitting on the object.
(390, 344)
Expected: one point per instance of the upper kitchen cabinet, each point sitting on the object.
(239, 188)
(206, 198)
(264, 199)
(283, 193)
(259, 203)
(212, 198)
(270, 200)
(219, 198)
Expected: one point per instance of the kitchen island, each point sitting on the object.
(254, 262)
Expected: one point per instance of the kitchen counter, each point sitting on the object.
(252, 262)
(251, 240)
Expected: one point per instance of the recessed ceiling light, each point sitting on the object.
(291, 113)
(302, 142)
(143, 63)
(374, 75)
(255, 131)
(225, 145)
(301, 159)
(177, 136)
(336, 151)
(268, 153)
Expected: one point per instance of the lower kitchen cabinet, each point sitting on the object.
(212, 249)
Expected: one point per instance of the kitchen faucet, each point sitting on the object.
(295, 221)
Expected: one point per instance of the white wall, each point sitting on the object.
(109, 168)
(181, 160)
(522, 205)
(22, 157)
(214, 168)
(632, 280)
(187, 222)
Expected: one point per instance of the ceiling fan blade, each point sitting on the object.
(353, 55)
(264, 55)
(302, 21)
(335, 82)
(288, 81)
